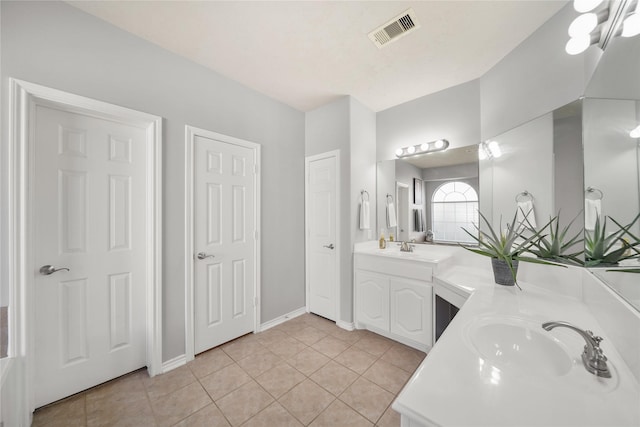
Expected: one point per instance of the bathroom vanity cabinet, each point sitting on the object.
(394, 297)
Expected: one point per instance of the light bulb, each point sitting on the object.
(494, 148)
(482, 154)
(583, 6)
(411, 149)
(399, 152)
(424, 146)
(631, 25)
(583, 25)
(577, 45)
(439, 143)
(635, 133)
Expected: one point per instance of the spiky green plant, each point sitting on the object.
(553, 246)
(503, 246)
(599, 249)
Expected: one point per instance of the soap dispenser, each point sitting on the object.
(382, 242)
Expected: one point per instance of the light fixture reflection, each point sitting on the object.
(424, 148)
(583, 25)
(583, 6)
(635, 133)
(489, 150)
(631, 25)
(577, 45)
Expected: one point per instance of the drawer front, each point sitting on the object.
(417, 270)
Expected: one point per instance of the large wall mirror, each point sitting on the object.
(429, 197)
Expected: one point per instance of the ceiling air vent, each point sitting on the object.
(398, 27)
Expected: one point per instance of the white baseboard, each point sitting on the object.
(282, 319)
(349, 326)
(174, 363)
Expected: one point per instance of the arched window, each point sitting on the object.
(454, 205)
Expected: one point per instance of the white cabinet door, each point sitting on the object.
(411, 309)
(372, 300)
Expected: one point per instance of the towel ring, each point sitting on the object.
(389, 196)
(362, 193)
(525, 193)
(597, 193)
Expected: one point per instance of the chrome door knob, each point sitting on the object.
(330, 246)
(202, 255)
(46, 270)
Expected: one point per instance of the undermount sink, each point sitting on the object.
(515, 345)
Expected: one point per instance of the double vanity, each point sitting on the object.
(495, 364)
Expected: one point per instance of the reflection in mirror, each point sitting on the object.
(447, 198)
(542, 158)
(611, 162)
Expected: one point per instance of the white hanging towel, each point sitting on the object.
(525, 208)
(592, 210)
(365, 217)
(391, 215)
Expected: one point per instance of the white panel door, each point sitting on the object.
(89, 218)
(411, 309)
(372, 300)
(321, 231)
(224, 242)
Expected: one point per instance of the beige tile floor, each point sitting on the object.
(306, 371)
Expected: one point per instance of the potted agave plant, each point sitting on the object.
(555, 245)
(608, 250)
(505, 249)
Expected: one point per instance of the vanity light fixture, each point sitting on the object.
(600, 22)
(635, 133)
(584, 30)
(489, 150)
(424, 148)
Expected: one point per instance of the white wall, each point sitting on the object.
(536, 77)
(56, 45)
(363, 177)
(452, 114)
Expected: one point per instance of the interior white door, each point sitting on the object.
(224, 242)
(321, 231)
(90, 252)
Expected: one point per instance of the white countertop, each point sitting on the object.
(421, 252)
(456, 386)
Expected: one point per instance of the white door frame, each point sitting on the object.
(24, 97)
(307, 162)
(190, 135)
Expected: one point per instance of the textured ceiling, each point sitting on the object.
(307, 53)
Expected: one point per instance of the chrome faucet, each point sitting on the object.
(593, 358)
(406, 247)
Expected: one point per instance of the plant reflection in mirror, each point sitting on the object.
(601, 249)
(554, 246)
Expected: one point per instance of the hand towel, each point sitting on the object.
(525, 209)
(592, 210)
(391, 215)
(364, 215)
